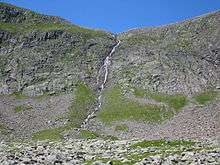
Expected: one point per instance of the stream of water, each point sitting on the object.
(105, 68)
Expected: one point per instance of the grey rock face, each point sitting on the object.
(47, 54)
(182, 57)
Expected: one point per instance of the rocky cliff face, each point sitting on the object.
(41, 54)
(156, 81)
(182, 57)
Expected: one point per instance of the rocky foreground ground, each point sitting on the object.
(110, 152)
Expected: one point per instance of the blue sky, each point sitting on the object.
(121, 15)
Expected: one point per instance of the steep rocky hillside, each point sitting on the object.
(95, 92)
(183, 57)
(41, 56)
(153, 83)
(47, 54)
(164, 82)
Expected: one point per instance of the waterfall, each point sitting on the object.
(105, 68)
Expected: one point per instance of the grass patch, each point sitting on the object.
(161, 143)
(18, 95)
(117, 108)
(8, 26)
(176, 101)
(82, 103)
(28, 27)
(85, 134)
(122, 127)
(21, 108)
(54, 134)
(205, 97)
(139, 92)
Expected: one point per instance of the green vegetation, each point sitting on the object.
(162, 143)
(18, 95)
(27, 27)
(122, 127)
(38, 22)
(176, 101)
(8, 26)
(118, 108)
(161, 39)
(205, 97)
(54, 134)
(139, 92)
(21, 108)
(142, 39)
(165, 148)
(83, 101)
(85, 134)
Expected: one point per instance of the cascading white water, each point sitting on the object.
(104, 67)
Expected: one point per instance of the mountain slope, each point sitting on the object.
(159, 80)
(164, 82)
(42, 56)
(182, 57)
(47, 54)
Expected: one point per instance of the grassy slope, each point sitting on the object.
(83, 101)
(117, 108)
(25, 28)
(53, 134)
(176, 101)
